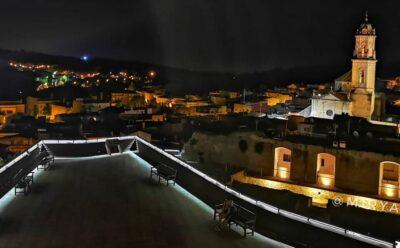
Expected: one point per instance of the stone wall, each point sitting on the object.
(356, 171)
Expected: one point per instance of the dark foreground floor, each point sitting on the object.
(109, 202)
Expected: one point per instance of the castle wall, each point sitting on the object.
(355, 171)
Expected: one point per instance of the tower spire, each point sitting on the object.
(366, 16)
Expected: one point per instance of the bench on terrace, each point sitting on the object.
(163, 172)
(240, 217)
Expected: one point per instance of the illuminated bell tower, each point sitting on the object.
(364, 57)
(363, 71)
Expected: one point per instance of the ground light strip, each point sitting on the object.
(263, 205)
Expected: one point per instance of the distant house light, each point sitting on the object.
(152, 74)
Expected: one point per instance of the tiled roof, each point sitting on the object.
(345, 77)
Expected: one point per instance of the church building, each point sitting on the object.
(354, 92)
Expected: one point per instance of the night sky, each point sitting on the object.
(223, 35)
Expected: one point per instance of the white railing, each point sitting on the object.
(262, 205)
(273, 209)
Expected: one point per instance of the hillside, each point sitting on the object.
(177, 81)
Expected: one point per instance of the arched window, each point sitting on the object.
(282, 162)
(361, 76)
(389, 179)
(326, 168)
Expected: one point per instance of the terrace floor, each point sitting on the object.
(110, 202)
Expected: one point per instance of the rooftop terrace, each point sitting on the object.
(91, 199)
(108, 201)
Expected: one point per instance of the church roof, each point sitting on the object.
(341, 96)
(334, 96)
(345, 77)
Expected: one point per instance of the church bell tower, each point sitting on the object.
(364, 57)
(363, 71)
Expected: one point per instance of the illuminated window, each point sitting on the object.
(389, 179)
(326, 168)
(282, 163)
